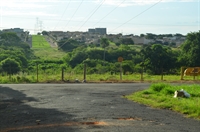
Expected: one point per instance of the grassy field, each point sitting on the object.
(43, 50)
(160, 95)
(48, 53)
(38, 41)
(54, 75)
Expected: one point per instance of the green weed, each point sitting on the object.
(158, 86)
(38, 41)
(160, 95)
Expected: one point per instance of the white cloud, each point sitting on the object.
(25, 8)
(31, 13)
(136, 2)
(21, 4)
(30, 3)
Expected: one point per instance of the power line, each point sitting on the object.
(137, 15)
(87, 19)
(58, 21)
(74, 13)
(199, 16)
(1, 16)
(92, 14)
(69, 21)
(110, 12)
(63, 14)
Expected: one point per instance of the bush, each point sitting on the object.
(158, 87)
(168, 91)
(146, 92)
(10, 66)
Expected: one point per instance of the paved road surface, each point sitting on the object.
(83, 108)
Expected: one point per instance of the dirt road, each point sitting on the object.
(83, 108)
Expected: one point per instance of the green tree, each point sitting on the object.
(10, 38)
(77, 58)
(10, 66)
(44, 33)
(66, 44)
(142, 35)
(10, 41)
(127, 66)
(104, 44)
(95, 53)
(16, 55)
(190, 50)
(127, 41)
(158, 58)
(150, 36)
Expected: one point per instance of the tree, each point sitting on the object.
(178, 35)
(95, 54)
(142, 35)
(127, 66)
(10, 66)
(10, 39)
(150, 36)
(11, 46)
(44, 33)
(158, 58)
(66, 44)
(190, 50)
(127, 41)
(78, 58)
(16, 55)
(104, 44)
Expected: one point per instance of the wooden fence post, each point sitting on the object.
(142, 79)
(182, 72)
(84, 73)
(62, 76)
(37, 71)
(120, 71)
(162, 74)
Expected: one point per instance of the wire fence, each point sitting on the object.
(39, 75)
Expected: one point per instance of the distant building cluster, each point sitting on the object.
(101, 31)
(93, 36)
(16, 30)
(24, 35)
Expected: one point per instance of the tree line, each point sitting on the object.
(153, 59)
(14, 54)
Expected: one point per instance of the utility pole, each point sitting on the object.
(38, 25)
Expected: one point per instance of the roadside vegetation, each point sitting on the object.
(20, 63)
(38, 41)
(160, 95)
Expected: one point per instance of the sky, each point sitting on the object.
(118, 16)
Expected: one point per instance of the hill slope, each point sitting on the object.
(39, 41)
(43, 49)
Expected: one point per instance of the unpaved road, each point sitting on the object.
(83, 108)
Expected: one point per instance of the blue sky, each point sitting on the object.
(118, 16)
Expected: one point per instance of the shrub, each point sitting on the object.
(158, 87)
(147, 92)
(168, 91)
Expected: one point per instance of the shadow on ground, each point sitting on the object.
(15, 115)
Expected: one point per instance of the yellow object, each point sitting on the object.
(192, 71)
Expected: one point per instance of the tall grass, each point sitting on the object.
(43, 50)
(52, 75)
(38, 41)
(160, 95)
(48, 53)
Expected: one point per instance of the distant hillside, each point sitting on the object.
(39, 41)
(42, 48)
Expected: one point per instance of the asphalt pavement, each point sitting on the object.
(83, 107)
